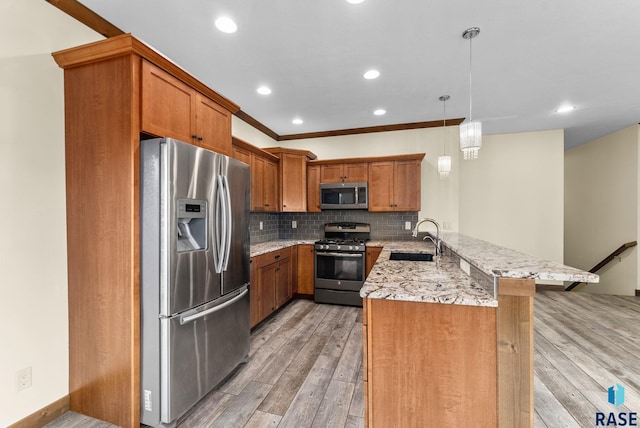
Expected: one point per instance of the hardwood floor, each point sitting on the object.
(305, 366)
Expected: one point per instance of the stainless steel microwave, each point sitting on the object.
(344, 196)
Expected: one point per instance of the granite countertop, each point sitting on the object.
(438, 281)
(442, 281)
(503, 262)
(267, 247)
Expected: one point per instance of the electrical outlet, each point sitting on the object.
(23, 379)
(447, 225)
(261, 226)
(407, 225)
(294, 224)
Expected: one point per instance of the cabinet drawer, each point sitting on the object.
(272, 257)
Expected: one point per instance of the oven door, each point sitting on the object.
(339, 271)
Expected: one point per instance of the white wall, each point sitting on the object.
(439, 197)
(244, 131)
(601, 208)
(513, 194)
(33, 264)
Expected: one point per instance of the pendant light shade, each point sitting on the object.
(444, 166)
(471, 131)
(471, 139)
(444, 161)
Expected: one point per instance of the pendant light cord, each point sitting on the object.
(444, 126)
(470, 81)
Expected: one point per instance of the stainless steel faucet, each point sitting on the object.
(437, 240)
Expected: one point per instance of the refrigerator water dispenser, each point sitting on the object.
(192, 225)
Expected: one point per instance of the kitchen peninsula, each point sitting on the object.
(450, 342)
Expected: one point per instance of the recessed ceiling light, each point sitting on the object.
(379, 112)
(264, 90)
(371, 74)
(355, 1)
(297, 121)
(226, 25)
(565, 109)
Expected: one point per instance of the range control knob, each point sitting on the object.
(351, 247)
(338, 247)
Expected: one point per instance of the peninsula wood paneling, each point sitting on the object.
(430, 365)
(515, 352)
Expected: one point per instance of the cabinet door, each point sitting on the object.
(254, 296)
(293, 182)
(406, 185)
(331, 173)
(213, 126)
(167, 105)
(242, 155)
(283, 282)
(267, 290)
(270, 185)
(257, 183)
(356, 172)
(381, 186)
(313, 188)
(306, 274)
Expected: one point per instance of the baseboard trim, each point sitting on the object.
(45, 415)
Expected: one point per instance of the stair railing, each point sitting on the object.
(605, 261)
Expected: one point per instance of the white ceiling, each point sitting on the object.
(530, 58)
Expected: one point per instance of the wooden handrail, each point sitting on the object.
(605, 261)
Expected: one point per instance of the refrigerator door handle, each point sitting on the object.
(220, 222)
(189, 318)
(228, 226)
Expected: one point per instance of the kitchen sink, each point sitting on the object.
(414, 257)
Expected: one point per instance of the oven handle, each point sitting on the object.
(338, 254)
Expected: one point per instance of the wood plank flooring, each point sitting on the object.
(305, 367)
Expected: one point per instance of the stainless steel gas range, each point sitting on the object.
(340, 263)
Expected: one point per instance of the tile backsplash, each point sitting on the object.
(384, 226)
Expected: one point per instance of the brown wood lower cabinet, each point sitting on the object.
(429, 364)
(305, 269)
(271, 283)
(371, 256)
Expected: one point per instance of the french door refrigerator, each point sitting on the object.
(194, 209)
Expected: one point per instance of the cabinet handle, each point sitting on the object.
(200, 138)
(277, 257)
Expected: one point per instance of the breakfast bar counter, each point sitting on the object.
(449, 342)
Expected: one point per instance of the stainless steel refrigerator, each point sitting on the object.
(194, 209)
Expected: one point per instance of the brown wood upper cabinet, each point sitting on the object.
(292, 178)
(264, 174)
(170, 108)
(264, 184)
(394, 185)
(347, 172)
(313, 188)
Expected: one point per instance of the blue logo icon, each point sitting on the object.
(616, 395)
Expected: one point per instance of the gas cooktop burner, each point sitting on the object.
(341, 241)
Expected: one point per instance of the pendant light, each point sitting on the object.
(471, 131)
(444, 161)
